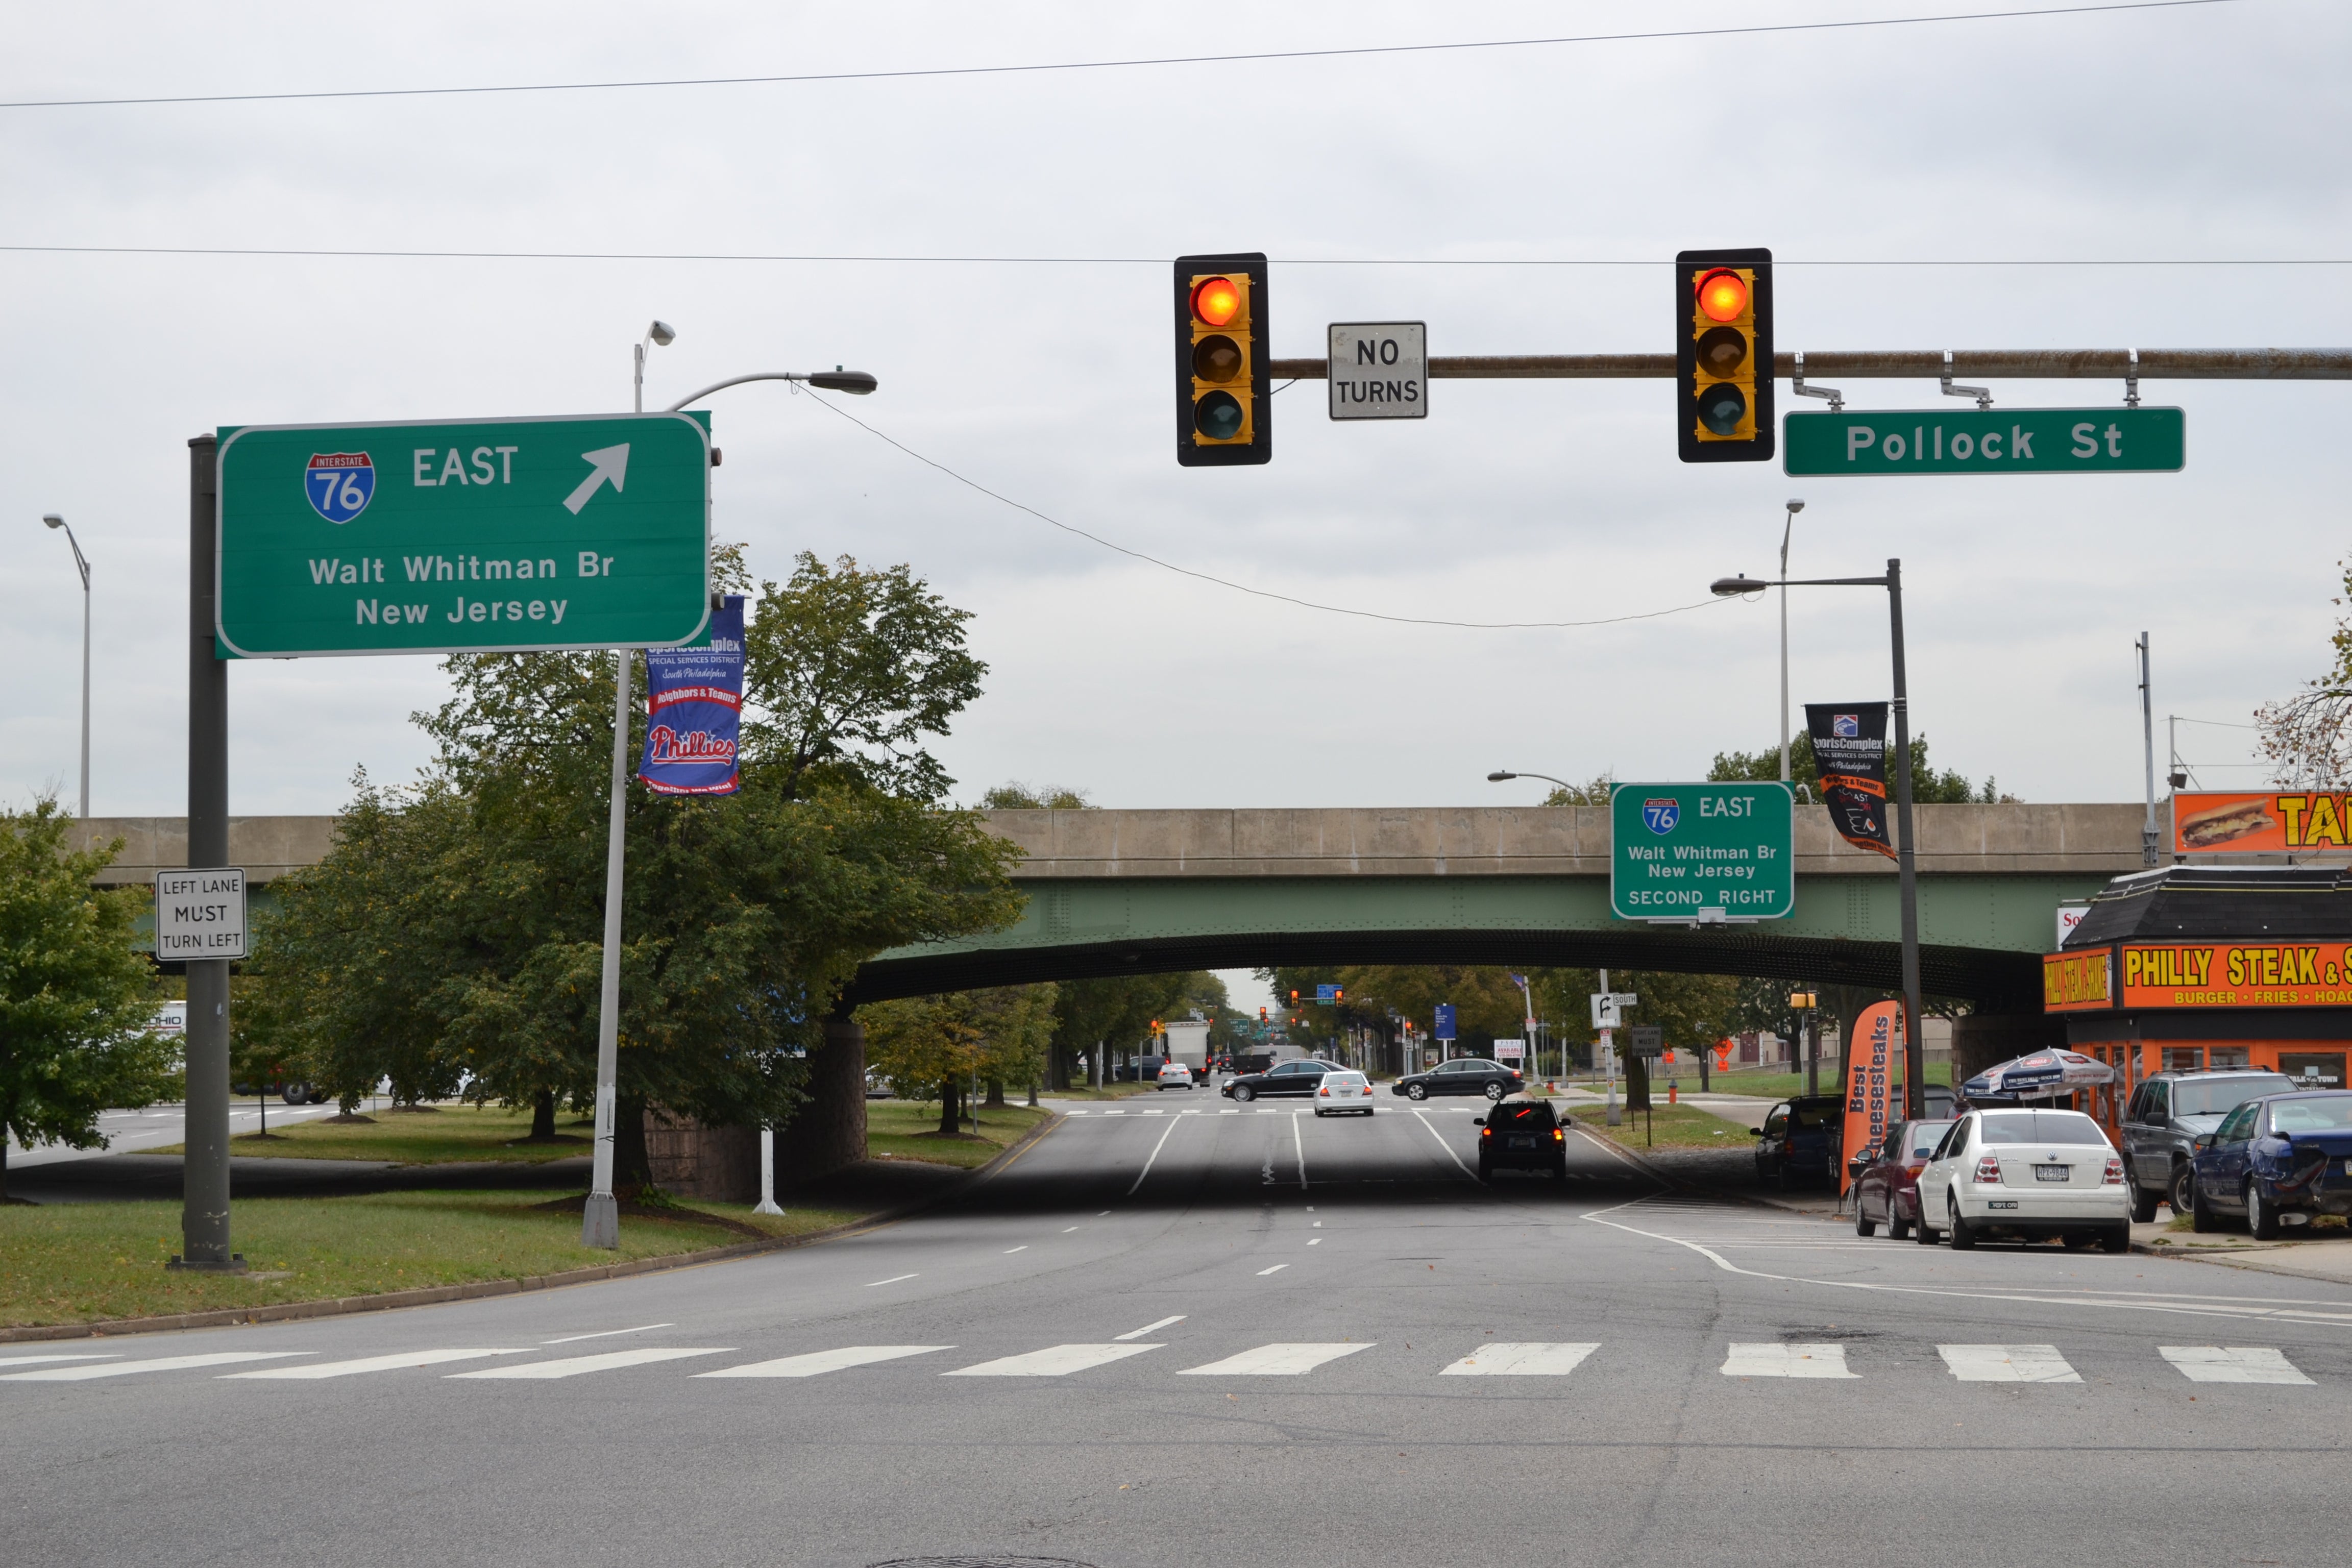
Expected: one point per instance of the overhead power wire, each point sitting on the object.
(1360, 51)
(1228, 583)
(316, 253)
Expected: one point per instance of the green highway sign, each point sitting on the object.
(1984, 441)
(480, 536)
(1701, 852)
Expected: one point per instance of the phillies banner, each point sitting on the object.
(694, 711)
(1850, 758)
(1869, 1061)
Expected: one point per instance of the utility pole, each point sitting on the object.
(1786, 527)
(2147, 747)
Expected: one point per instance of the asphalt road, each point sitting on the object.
(1220, 1336)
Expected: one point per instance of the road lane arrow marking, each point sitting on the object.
(610, 463)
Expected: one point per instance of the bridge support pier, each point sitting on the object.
(830, 1131)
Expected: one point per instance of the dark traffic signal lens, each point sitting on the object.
(1722, 349)
(1721, 407)
(1217, 358)
(1218, 416)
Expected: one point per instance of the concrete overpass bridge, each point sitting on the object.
(1118, 892)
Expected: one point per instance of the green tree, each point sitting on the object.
(2307, 737)
(1928, 787)
(937, 1048)
(1015, 795)
(75, 991)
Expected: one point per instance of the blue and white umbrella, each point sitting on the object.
(2040, 1076)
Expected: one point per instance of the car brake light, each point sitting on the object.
(2114, 1177)
(1989, 1171)
(1558, 1136)
(1915, 1167)
(1324, 1092)
(1485, 1132)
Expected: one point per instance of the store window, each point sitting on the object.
(2313, 1069)
(2184, 1058)
(2221, 1056)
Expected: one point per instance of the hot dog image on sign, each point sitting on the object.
(339, 484)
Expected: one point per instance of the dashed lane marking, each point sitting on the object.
(1786, 1360)
(1150, 1328)
(818, 1362)
(892, 1280)
(1275, 1270)
(2008, 1363)
(607, 1333)
(580, 1365)
(1520, 1360)
(1275, 1361)
(1055, 1360)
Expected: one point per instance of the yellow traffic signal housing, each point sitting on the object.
(1224, 405)
(1723, 356)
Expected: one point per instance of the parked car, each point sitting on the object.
(1797, 1138)
(1886, 1179)
(1522, 1134)
(1293, 1077)
(1343, 1092)
(877, 1087)
(1464, 1075)
(1174, 1075)
(2167, 1115)
(2275, 1162)
(2025, 1174)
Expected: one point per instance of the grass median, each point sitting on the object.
(1665, 1126)
(432, 1135)
(64, 1263)
(909, 1130)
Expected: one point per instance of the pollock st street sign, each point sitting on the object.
(1701, 852)
(485, 536)
(1984, 441)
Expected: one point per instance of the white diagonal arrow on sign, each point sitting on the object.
(611, 463)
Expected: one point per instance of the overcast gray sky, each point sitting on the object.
(2206, 133)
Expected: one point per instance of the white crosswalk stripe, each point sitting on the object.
(31, 1360)
(573, 1366)
(1521, 1359)
(2231, 1364)
(1275, 1361)
(820, 1361)
(161, 1363)
(2008, 1363)
(1786, 1360)
(370, 1363)
(1055, 1360)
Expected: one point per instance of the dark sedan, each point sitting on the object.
(2277, 1161)
(1464, 1075)
(1287, 1079)
(1886, 1179)
(1795, 1139)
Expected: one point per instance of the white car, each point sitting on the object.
(1174, 1075)
(2026, 1173)
(1343, 1092)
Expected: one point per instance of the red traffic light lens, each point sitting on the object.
(1722, 295)
(1217, 300)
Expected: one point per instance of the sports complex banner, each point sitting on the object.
(694, 710)
(1868, 1067)
(1850, 759)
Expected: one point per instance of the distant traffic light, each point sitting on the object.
(1261, 1015)
(1723, 356)
(1225, 410)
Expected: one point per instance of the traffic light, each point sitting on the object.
(1224, 413)
(1261, 1015)
(1723, 356)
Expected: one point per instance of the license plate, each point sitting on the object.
(2002, 1204)
(2054, 1172)
(1520, 1140)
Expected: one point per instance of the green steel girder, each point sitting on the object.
(1980, 936)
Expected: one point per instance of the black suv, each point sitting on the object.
(1464, 1075)
(1522, 1134)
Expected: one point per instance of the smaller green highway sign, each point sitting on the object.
(1985, 441)
(481, 536)
(1701, 852)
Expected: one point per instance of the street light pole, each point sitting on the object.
(81, 563)
(1906, 861)
(1786, 527)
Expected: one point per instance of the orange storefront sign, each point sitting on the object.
(2078, 982)
(2209, 823)
(2235, 975)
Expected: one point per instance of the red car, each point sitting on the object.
(1886, 1179)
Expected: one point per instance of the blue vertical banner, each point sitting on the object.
(694, 710)
(1445, 1021)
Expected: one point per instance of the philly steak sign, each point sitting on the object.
(488, 536)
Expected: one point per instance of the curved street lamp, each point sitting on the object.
(1501, 776)
(81, 563)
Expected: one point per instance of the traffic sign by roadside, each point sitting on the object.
(200, 914)
(1984, 441)
(1609, 1008)
(1380, 370)
(1702, 852)
(1445, 1029)
(492, 535)
(1649, 1039)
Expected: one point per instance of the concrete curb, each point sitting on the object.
(390, 1300)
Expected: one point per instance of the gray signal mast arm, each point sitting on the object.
(1902, 364)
